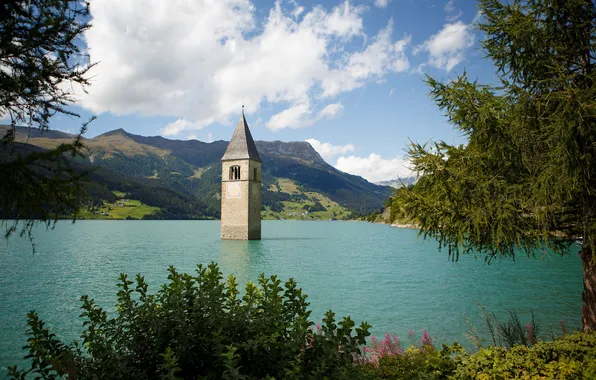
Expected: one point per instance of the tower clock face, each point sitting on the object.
(233, 190)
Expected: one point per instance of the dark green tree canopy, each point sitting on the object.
(42, 58)
(523, 177)
(527, 177)
(42, 54)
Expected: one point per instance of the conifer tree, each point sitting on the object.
(526, 179)
(42, 56)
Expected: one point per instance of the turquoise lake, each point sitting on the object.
(386, 276)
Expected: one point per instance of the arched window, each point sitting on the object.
(234, 173)
(255, 172)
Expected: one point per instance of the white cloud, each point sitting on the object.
(452, 13)
(379, 58)
(447, 48)
(298, 116)
(201, 60)
(449, 7)
(329, 151)
(330, 111)
(176, 127)
(382, 3)
(374, 168)
(293, 117)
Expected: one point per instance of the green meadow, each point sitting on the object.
(121, 209)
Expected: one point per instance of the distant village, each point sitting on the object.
(119, 203)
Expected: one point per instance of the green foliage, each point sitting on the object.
(129, 210)
(143, 166)
(40, 47)
(199, 327)
(351, 192)
(529, 165)
(317, 206)
(38, 186)
(509, 333)
(41, 54)
(416, 363)
(571, 357)
(173, 204)
(526, 180)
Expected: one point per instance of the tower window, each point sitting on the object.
(255, 172)
(234, 173)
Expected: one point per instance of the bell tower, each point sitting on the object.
(241, 187)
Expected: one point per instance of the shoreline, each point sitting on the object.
(405, 225)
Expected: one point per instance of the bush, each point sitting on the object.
(415, 363)
(199, 327)
(570, 357)
(387, 359)
(509, 333)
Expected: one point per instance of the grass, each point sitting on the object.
(199, 172)
(120, 210)
(295, 210)
(287, 186)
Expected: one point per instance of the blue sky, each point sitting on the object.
(345, 76)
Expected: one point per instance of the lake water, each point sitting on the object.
(372, 272)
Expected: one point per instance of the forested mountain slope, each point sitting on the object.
(179, 171)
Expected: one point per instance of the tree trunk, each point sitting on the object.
(589, 293)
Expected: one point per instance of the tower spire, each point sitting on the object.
(242, 146)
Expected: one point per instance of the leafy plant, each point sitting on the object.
(570, 357)
(524, 181)
(507, 334)
(199, 326)
(425, 362)
(42, 57)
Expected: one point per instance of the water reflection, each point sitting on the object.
(292, 238)
(243, 258)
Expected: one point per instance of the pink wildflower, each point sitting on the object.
(530, 334)
(426, 339)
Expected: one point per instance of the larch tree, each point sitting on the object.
(42, 57)
(526, 179)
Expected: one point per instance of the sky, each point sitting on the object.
(346, 76)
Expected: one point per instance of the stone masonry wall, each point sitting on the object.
(241, 201)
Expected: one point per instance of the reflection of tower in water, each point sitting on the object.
(242, 258)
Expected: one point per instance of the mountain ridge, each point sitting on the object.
(193, 168)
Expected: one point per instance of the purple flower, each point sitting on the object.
(426, 339)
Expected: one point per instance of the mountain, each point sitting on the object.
(398, 182)
(297, 182)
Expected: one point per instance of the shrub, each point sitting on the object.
(199, 327)
(386, 359)
(424, 362)
(509, 333)
(570, 357)
(391, 346)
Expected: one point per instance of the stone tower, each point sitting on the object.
(241, 187)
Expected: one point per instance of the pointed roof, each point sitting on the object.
(242, 146)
